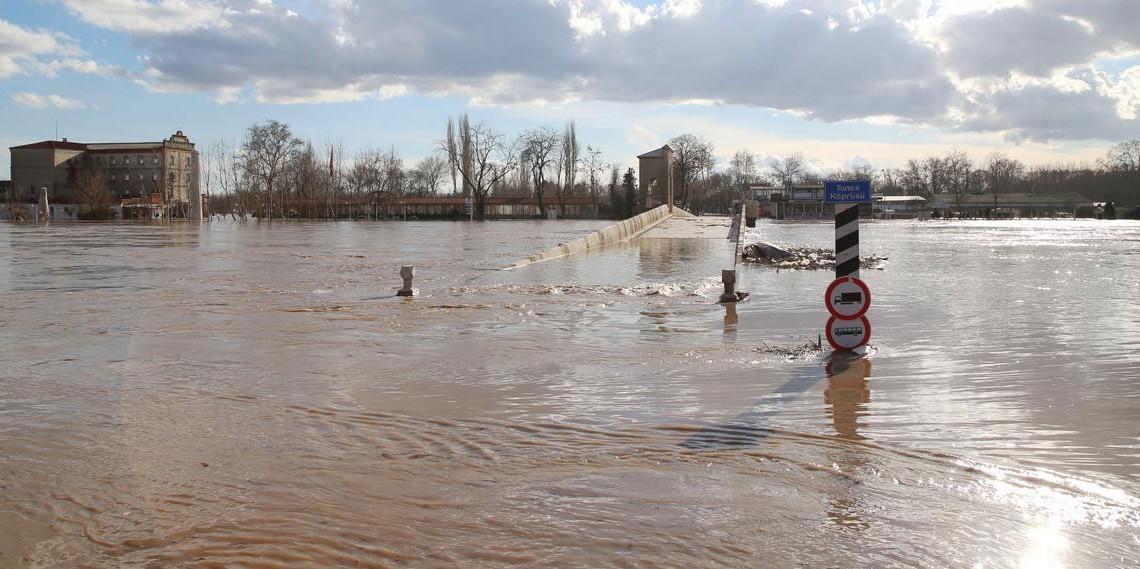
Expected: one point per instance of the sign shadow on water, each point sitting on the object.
(846, 373)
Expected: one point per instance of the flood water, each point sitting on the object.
(251, 395)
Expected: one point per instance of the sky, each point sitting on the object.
(844, 82)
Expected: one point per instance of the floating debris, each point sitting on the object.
(320, 309)
(802, 258)
(803, 351)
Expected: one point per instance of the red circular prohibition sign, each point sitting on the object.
(857, 282)
(831, 339)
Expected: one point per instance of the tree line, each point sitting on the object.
(272, 174)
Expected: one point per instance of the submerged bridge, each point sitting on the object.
(661, 222)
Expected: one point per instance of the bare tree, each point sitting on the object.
(594, 167)
(94, 198)
(615, 189)
(481, 156)
(539, 149)
(788, 169)
(377, 175)
(428, 174)
(570, 151)
(1002, 173)
(692, 160)
(452, 152)
(1123, 157)
(958, 170)
(743, 168)
(267, 150)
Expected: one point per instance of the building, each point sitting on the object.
(164, 173)
(656, 177)
(899, 207)
(1011, 205)
(798, 201)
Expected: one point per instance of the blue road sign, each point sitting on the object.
(853, 191)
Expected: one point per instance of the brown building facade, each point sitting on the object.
(167, 170)
(656, 177)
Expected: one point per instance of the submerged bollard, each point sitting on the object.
(406, 273)
(43, 211)
(728, 277)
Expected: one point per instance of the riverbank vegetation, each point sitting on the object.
(271, 174)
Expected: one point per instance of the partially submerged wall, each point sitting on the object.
(616, 233)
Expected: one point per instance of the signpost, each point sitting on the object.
(848, 334)
(847, 298)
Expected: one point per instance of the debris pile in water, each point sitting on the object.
(810, 349)
(802, 258)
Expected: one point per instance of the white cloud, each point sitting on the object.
(21, 48)
(148, 17)
(36, 101)
(43, 52)
(961, 65)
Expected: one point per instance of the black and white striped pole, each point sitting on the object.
(847, 297)
(846, 240)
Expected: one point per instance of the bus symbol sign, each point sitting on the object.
(848, 334)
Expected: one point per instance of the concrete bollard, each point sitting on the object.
(728, 277)
(44, 208)
(407, 273)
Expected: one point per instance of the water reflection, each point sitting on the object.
(846, 394)
(1047, 546)
(730, 318)
(846, 398)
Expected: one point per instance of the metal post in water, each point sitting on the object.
(728, 277)
(407, 273)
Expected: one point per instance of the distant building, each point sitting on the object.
(798, 201)
(164, 174)
(656, 176)
(1011, 205)
(899, 207)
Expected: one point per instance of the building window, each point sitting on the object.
(112, 160)
(172, 160)
(126, 161)
(126, 177)
(188, 161)
(154, 159)
(154, 177)
(112, 177)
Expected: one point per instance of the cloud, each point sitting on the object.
(1081, 104)
(21, 48)
(24, 51)
(36, 101)
(148, 17)
(1021, 40)
(960, 65)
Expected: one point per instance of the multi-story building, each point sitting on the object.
(796, 201)
(165, 173)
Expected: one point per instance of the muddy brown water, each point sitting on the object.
(245, 395)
